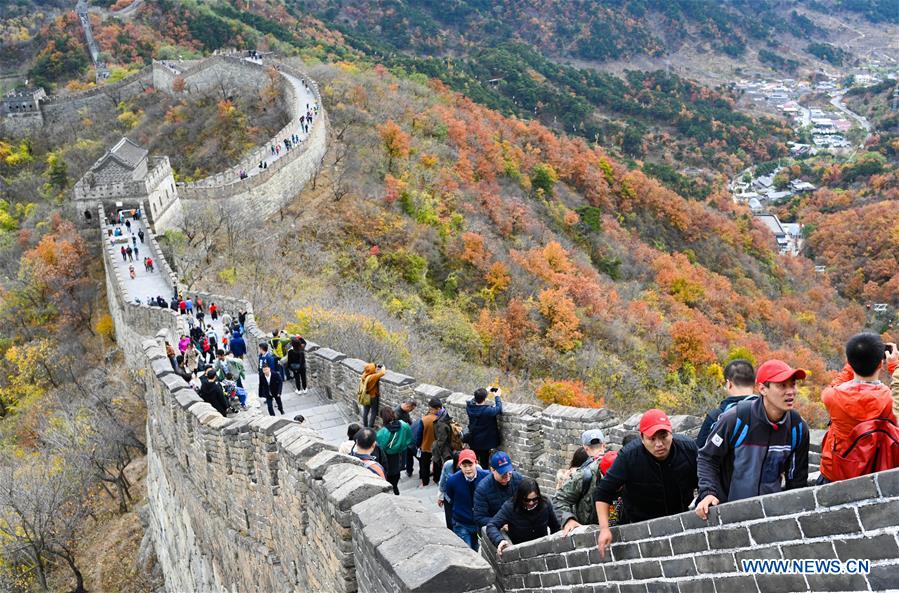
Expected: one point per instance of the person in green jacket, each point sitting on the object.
(393, 439)
(573, 503)
(228, 364)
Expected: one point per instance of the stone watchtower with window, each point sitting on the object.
(127, 177)
(22, 102)
(20, 110)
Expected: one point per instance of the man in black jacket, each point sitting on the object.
(270, 384)
(483, 431)
(658, 473)
(211, 392)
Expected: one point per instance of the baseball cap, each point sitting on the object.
(501, 463)
(607, 460)
(653, 421)
(594, 434)
(435, 403)
(467, 455)
(777, 371)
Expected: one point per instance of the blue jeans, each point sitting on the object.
(468, 533)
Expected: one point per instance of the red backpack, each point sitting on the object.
(873, 447)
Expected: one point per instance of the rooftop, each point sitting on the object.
(771, 221)
(129, 153)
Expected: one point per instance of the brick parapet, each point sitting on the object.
(851, 519)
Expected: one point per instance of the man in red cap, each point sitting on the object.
(755, 442)
(460, 488)
(658, 474)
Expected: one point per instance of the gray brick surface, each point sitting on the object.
(840, 521)
(789, 502)
(782, 583)
(715, 563)
(728, 537)
(679, 567)
(654, 548)
(593, 574)
(741, 584)
(649, 569)
(689, 543)
(616, 572)
(625, 551)
(837, 582)
(888, 482)
(838, 493)
(822, 550)
(875, 516)
(884, 578)
(665, 526)
(775, 530)
(633, 531)
(880, 547)
(743, 510)
(696, 586)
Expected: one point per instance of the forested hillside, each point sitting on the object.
(851, 220)
(550, 257)
(589, 30)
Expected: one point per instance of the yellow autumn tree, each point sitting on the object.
(559, 310)
(26, 367)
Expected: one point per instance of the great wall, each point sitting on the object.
(259, 503)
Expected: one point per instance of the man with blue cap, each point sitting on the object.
(573, 502)
(494, 491)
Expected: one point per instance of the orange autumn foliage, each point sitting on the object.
(396, 142)
(560, 313)
(568, 393)
(498, 276)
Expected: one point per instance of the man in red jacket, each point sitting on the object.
(855, 396)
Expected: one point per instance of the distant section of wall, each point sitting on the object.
(260, 196)
(20, 124)
(263, 194)
(71, 109)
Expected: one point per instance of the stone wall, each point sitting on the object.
(388, 562)
(262, 195)
(259, 503)
(247, 201)
(20, 124)
(70, 109)
(855, 519)
(219, 73)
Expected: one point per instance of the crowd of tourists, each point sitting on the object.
(211, 357)
(753, 443)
